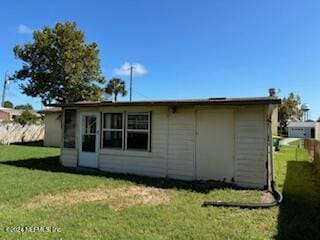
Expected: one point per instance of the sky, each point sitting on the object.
(184, 48)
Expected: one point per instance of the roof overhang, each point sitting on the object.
(187, 102)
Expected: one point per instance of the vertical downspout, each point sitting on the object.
(270, 150)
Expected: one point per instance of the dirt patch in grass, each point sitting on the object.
(267, 197)
(117, 198)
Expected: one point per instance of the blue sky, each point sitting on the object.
(189, 48)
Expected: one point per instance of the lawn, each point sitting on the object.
(36, 191)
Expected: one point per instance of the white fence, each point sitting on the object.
(14, 133)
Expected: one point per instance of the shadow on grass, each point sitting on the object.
(299, 216)
(52, 164)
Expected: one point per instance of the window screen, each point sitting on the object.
(138, 131)
(112, 130)
(69, 128)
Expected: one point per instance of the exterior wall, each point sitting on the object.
(69, 157)
(52, 136)
(274, 119)
(317, 131)
(251, 152)
(4, 116)
(173, 145)
(152, 163)
(181, 144)
(300, 132)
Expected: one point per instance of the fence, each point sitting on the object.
(313, 147)
(16, 133)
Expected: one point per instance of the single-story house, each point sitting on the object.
(224, 139)
(9, 114)
(304, 130)
(53, 126)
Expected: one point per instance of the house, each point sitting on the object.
(224, 139)
(53, 126)
(304, 130)
(9, 114)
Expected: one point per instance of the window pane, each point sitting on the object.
(89, 124)
(137, 140)
(112, 139)
(89, 143)
(137, 121)
(69, 128)
(112, 120)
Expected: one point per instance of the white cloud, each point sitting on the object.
(23, 29)
(124, 70)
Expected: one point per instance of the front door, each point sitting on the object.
(89, 140)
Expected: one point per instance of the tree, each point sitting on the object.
(27, 106)
(59, 66)
(8, 104)
(289, 110)
(27, 117)
(116, 86)
(318, 119)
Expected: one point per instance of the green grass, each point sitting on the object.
(27, 172)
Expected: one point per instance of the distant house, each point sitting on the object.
(52, 121)
(225, 139)
(9, 114)
(304, 130)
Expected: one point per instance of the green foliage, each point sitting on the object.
(8, 104)
(27, 117)
(59, 66)
(318, 120)
(116, 86)
(27, 106)
(289, 109)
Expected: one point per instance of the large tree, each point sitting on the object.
(116, 86)
(289, 109)
(59, 66)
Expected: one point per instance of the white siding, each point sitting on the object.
(251, 147)
(181, 144)
(52, 135)
(69, 157)
(140, 162)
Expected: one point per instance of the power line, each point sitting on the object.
(142, 95)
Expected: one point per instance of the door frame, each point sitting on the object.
(98, 137)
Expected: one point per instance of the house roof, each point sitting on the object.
(177, 102)
(50, 110)
(303, 124)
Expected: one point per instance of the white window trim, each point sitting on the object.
(113, 130)
(148, 131)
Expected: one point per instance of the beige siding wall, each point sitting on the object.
(52, 135)
(141, 162)
(251, 151)
(69, 157)
(181, 144)
(173, 145)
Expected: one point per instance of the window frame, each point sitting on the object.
(148, 131)
(64, 128)
(103, 129)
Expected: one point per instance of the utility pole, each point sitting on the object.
(4, 89)
(131, 72)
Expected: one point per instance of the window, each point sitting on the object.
(138, 131)
(69, 140)
(112, 130)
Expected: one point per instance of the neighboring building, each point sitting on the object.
(225, 139)
(304, 130)
(52, 122)
(9, 114)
